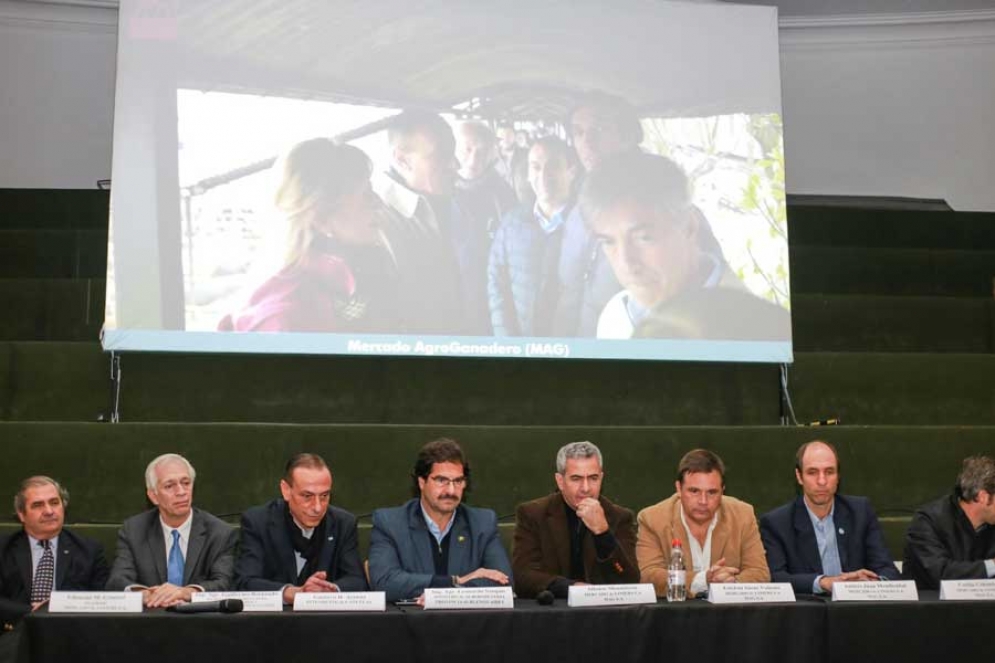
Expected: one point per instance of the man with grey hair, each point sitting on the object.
(44, 556)
(174, 550)
(576, 535)
(953, 538)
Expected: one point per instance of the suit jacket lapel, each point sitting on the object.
(420, 543)
(63, 557)
(843, 523)
(195, 546)
(460, 543)
(328, 545)
(808, 546)
(22, 553)
(286, 559)
(156, 542)
(556, 523)
(720, 539)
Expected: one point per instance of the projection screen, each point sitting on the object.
(507, 179)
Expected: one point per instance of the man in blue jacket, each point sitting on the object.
(821, 538)
(434, 540)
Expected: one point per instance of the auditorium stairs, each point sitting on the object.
(894, 333)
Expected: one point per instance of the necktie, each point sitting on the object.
(174, 566)
(41, 586)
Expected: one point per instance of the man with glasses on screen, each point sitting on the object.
(434, 540)
(426, 232)
(639, 208)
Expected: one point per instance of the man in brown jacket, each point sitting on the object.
(718, 534)
(574, 536)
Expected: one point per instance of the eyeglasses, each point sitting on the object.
(445, 482)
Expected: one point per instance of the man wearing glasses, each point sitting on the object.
(433, 540)
(576, 535)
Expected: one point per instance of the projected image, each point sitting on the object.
(526, 199)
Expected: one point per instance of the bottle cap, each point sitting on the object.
(676, 543)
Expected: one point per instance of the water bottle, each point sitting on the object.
(676, 573)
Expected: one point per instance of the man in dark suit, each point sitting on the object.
(300, 543)
(44, 556)
(174, 550)
(821, 538)
(433, 540)
(576, 535)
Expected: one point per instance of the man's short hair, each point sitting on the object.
(442, 450)
(20, 502)
(557, 147)
(150, 479)
(645, 180)
(306, 460)
(622, 114)
(583, 449)
(976, 474)
(700, 461)
(479, 130)
(800, 454)
(406, 126)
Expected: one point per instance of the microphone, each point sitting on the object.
(224, 605)
(545, 597)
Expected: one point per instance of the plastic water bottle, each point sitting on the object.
(676, 573)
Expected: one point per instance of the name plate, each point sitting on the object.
(251, 601)
(582, 596)
(967, 590)
(892, 590)
(751, 592)
(95, 602)
(469, 598)
(340, 602)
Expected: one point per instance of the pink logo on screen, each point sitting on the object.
(154, 20)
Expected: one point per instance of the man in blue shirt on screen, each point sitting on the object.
(434, 540)
(821, 537)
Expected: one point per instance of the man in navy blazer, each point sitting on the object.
(821, 537)
(300, 543)
(79, 562)
(145, 546)
(433, 540)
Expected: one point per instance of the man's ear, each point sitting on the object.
(400, 161)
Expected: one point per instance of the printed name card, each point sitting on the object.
(894, 590)
(967, 590)
(340, 602)
(251, 601)
(755, 592)
(469, 598)
(582, 596)
(95, 602)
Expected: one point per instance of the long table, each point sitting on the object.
(811, 630)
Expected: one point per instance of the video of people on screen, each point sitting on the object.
(568, 229)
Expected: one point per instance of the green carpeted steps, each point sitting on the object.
(238, 465)
(44, 253)
(883, 323)
(70, 381)
(51, 309)
(54, 209)
(811, 225)
(892, 271)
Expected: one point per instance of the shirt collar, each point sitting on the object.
(816, 521)
(184, 528)
(439, 534)
(551, 223)
(34, 542)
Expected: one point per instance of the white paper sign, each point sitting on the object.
(469, 598)
(751, 592)
(340, 602)
(251, 601)
(967, 590)
(891, 590)
(581, 596)
(95, 602)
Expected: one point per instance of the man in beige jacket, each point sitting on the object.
(718, 534)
